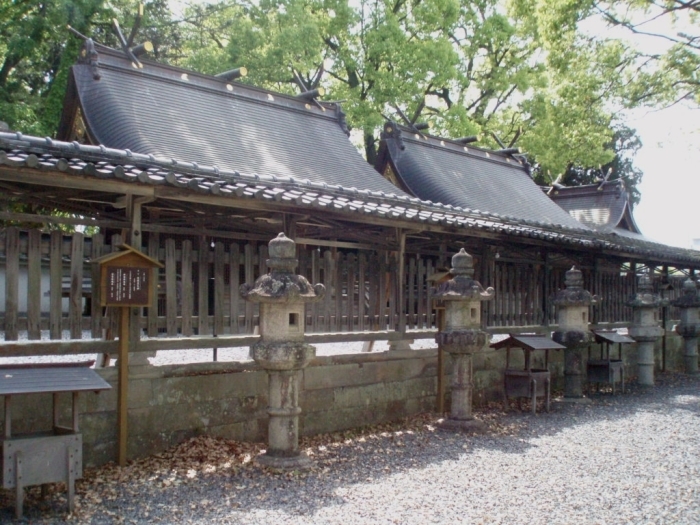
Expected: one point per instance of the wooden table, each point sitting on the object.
(606, 369)
(56, 454)
(529, 382)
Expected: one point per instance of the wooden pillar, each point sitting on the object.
(401, 289)
(546, 292)
(123, 386)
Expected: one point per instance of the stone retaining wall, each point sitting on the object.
(171, 403)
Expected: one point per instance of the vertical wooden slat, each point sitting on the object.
(361, 291)
(11, 284)
(394, 287)
(411, 307)
(429, 270)
(262, 269)
(328, 282)
(56, 283)
(234, 285)
(249, 252)
(75, 310)
(373, 291)
(338, 286)
(351, 292)
(219, 287)
(383, 289)
(421, 283)
(519, 284)
(315, 278)
(152, 313)
(97, 247)
(187, 294)
(171, 300)
(203, 282)
(34, 285)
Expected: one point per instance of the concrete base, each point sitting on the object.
(470, 426)
(300, 462)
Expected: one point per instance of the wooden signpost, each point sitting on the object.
(126, 281)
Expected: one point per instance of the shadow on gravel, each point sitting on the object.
(342, 460)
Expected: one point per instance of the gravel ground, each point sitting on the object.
(631, 458)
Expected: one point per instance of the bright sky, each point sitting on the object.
(670, 160)
(670, 153)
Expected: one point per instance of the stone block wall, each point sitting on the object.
(171, 403)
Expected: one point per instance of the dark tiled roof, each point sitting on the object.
(603, 207)
(451, 173)
(173, 113)
(18, 153)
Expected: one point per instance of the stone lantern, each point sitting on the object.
(281, 350)
(689, 327)
(462, 336)
(645, 329)
(572, 315)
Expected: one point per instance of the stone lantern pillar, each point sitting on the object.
(689, 327)
(645, 329)
(572, 315)
(462, 336)
(281, 350)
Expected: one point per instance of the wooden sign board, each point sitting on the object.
(126, 278)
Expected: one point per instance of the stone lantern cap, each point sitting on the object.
(645, 296)
(573, 294)
(282, 285)
(689, 298)
(462, 287)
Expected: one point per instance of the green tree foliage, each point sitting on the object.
(661, 38)
(624, 144)
(464, 67)
(514, 72)
(36, 50)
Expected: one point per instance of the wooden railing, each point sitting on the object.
(48, 291)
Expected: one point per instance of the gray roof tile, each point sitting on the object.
(469, 178)
(153, 111)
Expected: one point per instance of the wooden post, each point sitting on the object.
(401, 290)
(123, 385)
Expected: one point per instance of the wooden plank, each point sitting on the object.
(187, 298)
(383, 291)
(11, 284)
(411, 309)
(75, 301)
(171, 300)
(203, 286)
(362, 292)
(97, 247)
(351, 268)
(152, 312)
(262, 270)
(337, 325)
(34, 285)
(328, 282)
(316, 278)
(421, 283)
(219, 287)
(249, 270)
(430, 307)
(234, 286)
(55, 284)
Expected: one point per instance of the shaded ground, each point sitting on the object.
(630, 458)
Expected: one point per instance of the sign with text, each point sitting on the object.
(127, 286)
